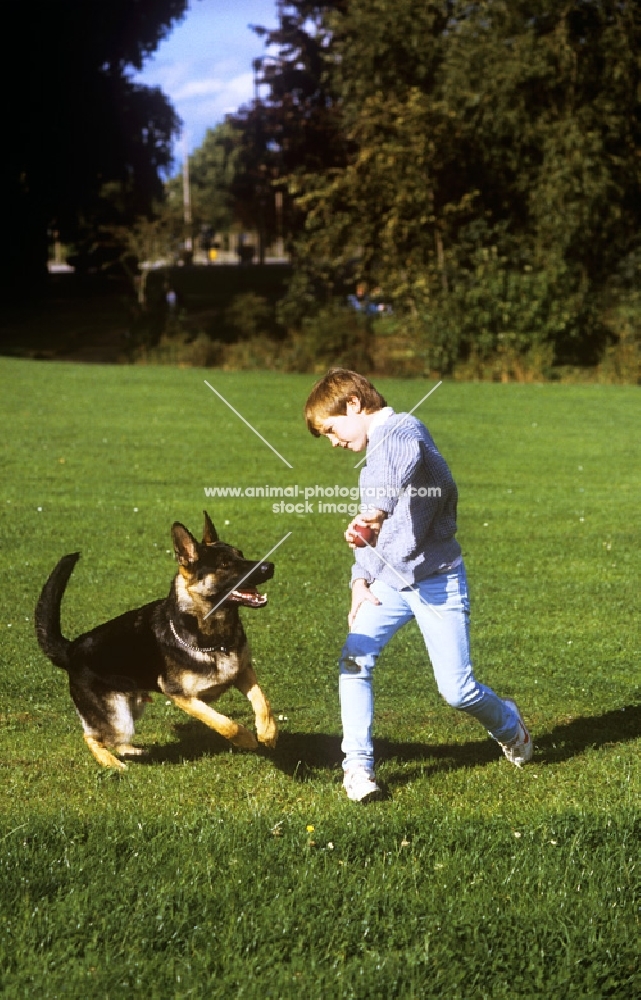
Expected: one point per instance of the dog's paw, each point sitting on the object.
(102, 754)
(268, 736)
(244, 738)
(113, 765)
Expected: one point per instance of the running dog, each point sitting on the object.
(191, 646)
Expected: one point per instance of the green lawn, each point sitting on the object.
(209, 872)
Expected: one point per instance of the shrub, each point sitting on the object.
(249, 315)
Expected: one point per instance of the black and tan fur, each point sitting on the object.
(174, 646)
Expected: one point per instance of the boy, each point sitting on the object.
(412, 567)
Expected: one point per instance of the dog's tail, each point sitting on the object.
(51, 640)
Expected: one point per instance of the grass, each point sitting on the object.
(210, 872)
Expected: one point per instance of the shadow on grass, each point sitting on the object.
(299, 754)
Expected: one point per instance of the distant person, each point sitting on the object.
(361, 302)
(358, 299)
(412, 568)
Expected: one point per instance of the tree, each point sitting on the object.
(76, 121)
(295, 127)
(557, 129)
(493, 179)
(212, 170)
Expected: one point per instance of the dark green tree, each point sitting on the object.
(75, 121)
(493, 179)
(294, 126)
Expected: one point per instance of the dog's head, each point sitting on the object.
(212, 569)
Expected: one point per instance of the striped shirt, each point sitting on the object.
(406, 476)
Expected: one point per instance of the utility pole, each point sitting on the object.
(278, 204)
(188, 242)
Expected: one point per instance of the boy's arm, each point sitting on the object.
(365, 558)
(389, 471)
(395, 467)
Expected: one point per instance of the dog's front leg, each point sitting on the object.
(266, 728)
(231, 730)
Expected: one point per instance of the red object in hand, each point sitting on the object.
(366, 535)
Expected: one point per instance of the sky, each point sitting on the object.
(205, 65)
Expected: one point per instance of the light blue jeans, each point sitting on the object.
(441, 607)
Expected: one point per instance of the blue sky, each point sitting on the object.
(205, 64)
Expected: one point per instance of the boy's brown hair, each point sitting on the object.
(330, 396)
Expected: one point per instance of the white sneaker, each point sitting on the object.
(520, 750)
(360, 785)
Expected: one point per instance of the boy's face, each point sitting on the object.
(348, 430)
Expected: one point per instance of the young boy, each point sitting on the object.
(411, 568)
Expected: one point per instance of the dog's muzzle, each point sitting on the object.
(246, 592)
(262, 572)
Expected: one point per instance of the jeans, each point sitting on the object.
(441, 606)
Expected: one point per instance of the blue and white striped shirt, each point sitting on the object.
(406, 476)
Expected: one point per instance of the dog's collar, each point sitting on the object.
(197, 649)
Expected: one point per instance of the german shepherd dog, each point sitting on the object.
(191, 646)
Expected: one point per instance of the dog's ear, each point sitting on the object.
(210, 535)
(185, 545)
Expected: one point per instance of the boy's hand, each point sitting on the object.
(360, 593)
(372, 519)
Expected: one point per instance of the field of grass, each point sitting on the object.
(204, 871)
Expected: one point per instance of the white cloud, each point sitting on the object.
(202, 104)
(203, 96)
(205, 65)
(195, 89)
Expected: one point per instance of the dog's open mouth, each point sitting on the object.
(249, 598)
